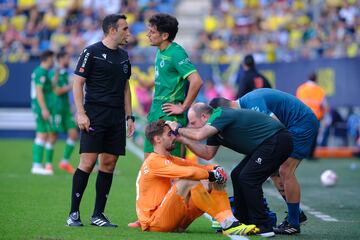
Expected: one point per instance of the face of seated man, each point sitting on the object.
(166, 140)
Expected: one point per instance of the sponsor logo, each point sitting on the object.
(184, 61)
(42, 79)
(258, 161)
(85, 60)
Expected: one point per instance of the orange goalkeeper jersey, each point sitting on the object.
(155, 179)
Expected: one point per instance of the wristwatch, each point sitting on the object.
(130, 117)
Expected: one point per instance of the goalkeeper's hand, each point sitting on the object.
(218, 175)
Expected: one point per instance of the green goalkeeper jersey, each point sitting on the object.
(62, 102)
(172, 67)
(40, 77)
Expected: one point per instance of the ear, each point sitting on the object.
(165, 36)
(157, 139)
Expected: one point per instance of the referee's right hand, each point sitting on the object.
(83, 121)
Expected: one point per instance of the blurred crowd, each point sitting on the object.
(28, 27)
(272, 30)
(280, 30)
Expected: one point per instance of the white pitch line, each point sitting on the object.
(140, 154)
(318, 214)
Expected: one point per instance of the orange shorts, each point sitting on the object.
(172, 213)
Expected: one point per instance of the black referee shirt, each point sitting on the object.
(106, 72)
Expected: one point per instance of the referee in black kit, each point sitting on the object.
(105, 69)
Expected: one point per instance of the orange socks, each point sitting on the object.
(215, 207)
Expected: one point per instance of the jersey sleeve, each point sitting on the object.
(166, 168)
(218, 119)
(40, 78)
(183, 63)
(212, 141)
(184, 162)
(84, 63)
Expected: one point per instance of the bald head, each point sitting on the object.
(200, 108)
(198, 114)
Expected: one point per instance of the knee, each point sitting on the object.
(285, 171)
(107, 166)
(73, 135)
(186, 184)
(86, 164)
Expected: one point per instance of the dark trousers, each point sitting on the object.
(249, 175)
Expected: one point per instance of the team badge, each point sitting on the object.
(162, 63)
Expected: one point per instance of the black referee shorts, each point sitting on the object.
(107, 132)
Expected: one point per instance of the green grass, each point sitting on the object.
(36, 207)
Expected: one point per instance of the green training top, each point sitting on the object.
(62, 102)
(172, 67)
(40, 77)
(241, 130)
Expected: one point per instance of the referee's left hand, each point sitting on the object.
(172, 109)
(130, 128)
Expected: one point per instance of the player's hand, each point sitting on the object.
(173, 109)
(174, 126)
(130, 128)
(218, 175)
(83, 122)
(45, 114)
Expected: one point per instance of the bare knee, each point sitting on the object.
(73, 135)
(108, 162)
(87, 161)
(184, 186)
(287, 169)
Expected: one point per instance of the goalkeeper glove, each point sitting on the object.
(218, 175)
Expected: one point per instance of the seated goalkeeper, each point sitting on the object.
(170, 195)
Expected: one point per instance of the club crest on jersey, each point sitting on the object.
(162, 63)
(126, 68)
(104, 55)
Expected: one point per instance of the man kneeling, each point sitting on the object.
(169, 192)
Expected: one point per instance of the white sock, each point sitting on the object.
(228, 222)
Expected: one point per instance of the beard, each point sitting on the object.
(170, 147)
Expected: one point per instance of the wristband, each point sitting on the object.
(130, 117)
(211, 176)
(176, 132)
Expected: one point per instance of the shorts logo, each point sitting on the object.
(81, 70)
(258, 161)
(126, 68)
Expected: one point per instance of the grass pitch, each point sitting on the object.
(36, 207)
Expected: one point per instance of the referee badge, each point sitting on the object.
(126, 68)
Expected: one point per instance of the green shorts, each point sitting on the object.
(45, 126)
(148, 148)
(64, 121)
